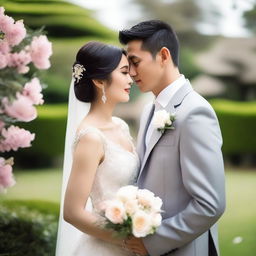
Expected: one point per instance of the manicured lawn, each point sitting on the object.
(239, 219)
(42, 184)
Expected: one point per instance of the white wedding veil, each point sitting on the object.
(68, 235)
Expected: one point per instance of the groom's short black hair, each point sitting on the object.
(154, 34)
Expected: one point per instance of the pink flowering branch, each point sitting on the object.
(20, 91)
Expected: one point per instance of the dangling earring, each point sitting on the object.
(103, 98)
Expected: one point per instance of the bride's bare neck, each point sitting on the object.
(100, 114)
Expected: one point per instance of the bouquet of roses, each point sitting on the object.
(133, 211)
(22, 52)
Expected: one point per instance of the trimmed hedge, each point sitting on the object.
(238, 125)
(62, 19)
(28, 228)
(50, 128)
(237, 122)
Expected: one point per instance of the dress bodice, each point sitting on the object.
(119, 167)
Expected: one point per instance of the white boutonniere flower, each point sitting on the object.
(163, 120)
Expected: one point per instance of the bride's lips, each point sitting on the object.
(127, 90)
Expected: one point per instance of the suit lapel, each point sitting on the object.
(143, 129)
(171, 107)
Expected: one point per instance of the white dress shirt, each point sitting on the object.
(162, 100)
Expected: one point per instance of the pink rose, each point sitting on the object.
(15, 33)
(3, 60)
(6, 176)
(41, 50)
(33, 91)
(22, 108)
(15, 137)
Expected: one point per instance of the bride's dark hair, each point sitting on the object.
(99, 60)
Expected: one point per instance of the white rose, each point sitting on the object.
(115, 212)
(156, 220)
(141, 224)
(145, 198)
(161, 118)
(157, 204)
(127, 193)
(131, 206)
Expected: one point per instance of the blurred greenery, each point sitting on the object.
(237, 121)
(28, 224)
(238, 125)
(60, 18)
(250, 18)
(68, 27)
(43, 185)
(37, 184)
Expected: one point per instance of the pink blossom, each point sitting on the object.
(41, 50)
(4, 47)
(33, 91)
(6, 23)
(15, 137)
(3, 60)
(19, 60)
(22, 108)
(6, 176)
(15, 33)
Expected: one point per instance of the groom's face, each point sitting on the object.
(145, 70)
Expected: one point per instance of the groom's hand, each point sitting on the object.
(136, 246)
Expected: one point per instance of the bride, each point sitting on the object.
(99, 151)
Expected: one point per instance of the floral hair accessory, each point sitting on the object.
(78, 71)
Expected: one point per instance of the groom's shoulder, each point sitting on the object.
(195, 102)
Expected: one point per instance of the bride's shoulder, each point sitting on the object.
(88, 135)
(121, 122)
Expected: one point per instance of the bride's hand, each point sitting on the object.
(136, 246)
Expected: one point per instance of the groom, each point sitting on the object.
(184, 165)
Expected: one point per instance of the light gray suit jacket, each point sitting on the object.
(184, 167)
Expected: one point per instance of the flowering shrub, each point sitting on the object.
(22, 53)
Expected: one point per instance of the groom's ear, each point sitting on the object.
(164, 55)
(98, 83)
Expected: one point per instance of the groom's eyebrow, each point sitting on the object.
(132, 57)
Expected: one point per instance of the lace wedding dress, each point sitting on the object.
(118, 169)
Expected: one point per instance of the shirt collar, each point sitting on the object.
(168, 92)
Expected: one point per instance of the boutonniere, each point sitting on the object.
(163, 120)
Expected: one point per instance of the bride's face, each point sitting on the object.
(119, 88)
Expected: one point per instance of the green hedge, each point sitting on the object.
(237, 122)
(50, 128)
(28, 228)
(62, 19)
(238, 126)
